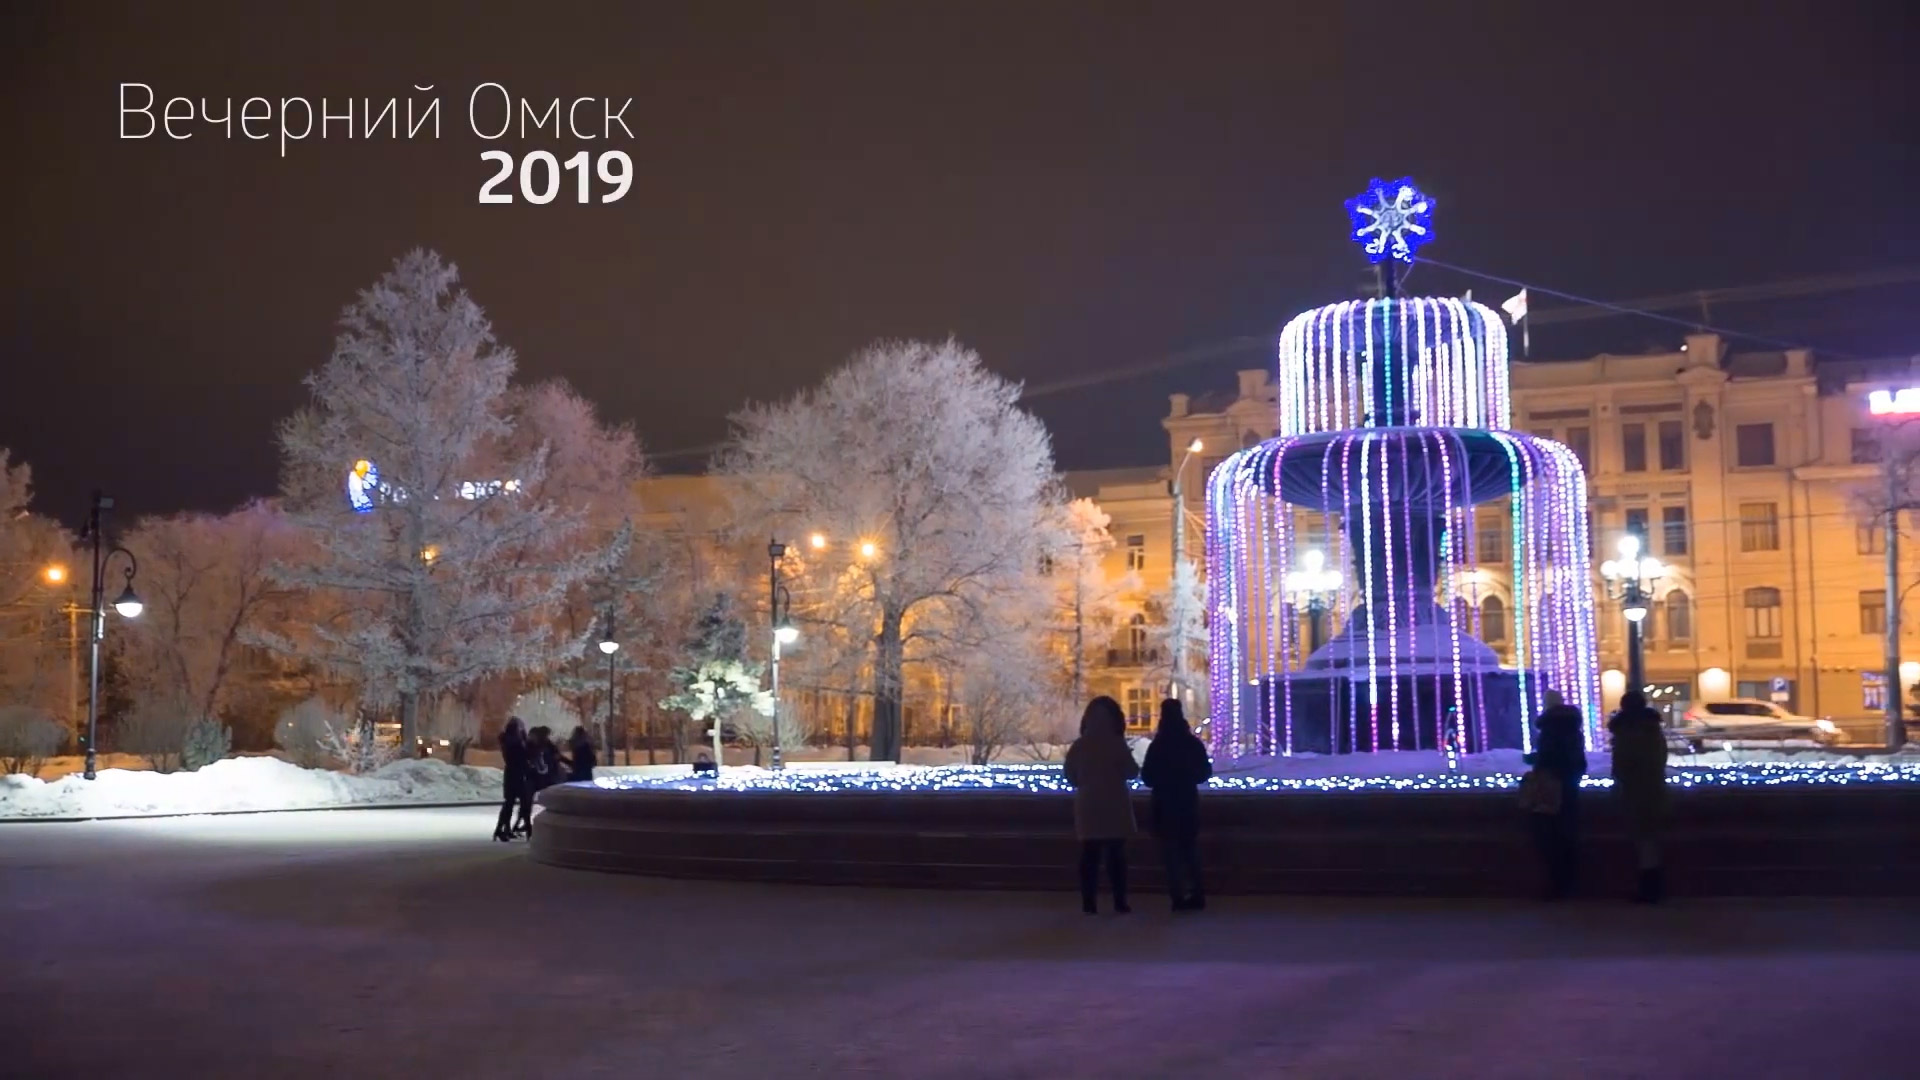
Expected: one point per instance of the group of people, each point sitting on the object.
(1551, 793)
(1100, 765)
(529, 761)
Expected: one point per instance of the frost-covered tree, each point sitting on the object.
(455, 566)
(714, 682)
(34, 626)
(1089, 600)
(1182, 631)
(917, 450)
(207, 583)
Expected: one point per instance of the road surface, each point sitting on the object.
(368, 944)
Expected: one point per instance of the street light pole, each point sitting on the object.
(1176, 610)
(782, 632)
(128, 605)
(1631, 578)
(1310, 585)
(1896, 696)
(610, 645)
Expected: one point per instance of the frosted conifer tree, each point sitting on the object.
(452, 561)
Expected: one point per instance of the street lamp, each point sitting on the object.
(1176, 602)
(608, 646)
(779, 611)
(127, 604)
(56, 574)
(1630, 580)
(1309, 587)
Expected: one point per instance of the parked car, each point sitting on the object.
(1750, 720)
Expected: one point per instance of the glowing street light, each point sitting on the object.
(55, 574)
(1630, 580)
(868, 549)
(818, 541)
(127, 604)
(1310, 586)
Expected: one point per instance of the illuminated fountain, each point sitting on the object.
(1392, 464)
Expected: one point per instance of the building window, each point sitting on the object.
(1673, 530)
(1580, 441)
(1493, 619)
(1673, 446)
(1759, 526)
(1137, 639)
(1139, 708)
(1679, 608)
(1753, 445)
(1866, 446)
(1492, 541)
(1869, 538)
(1637, 517)
(1763, 623)
(1136, 552)
(1873, 611)
(1633, 447)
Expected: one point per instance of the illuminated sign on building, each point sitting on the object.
(1904, 402)
(365, 489)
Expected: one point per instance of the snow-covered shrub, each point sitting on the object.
(315, 734)
(458, 724)
(207, 741)
(156, 729)
(28, 737)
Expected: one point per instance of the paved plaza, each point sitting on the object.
(367, 944)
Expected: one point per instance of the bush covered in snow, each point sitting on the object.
(28, 737)
(156, 729)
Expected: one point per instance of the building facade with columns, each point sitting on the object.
(1754, 479)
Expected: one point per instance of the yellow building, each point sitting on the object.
(1751, 476)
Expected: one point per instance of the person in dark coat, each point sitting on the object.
(543, 770)
(1176, 766)
(513, 770)
(1560, 752)
(581, 757)
(1640, 787)
(1098, 765)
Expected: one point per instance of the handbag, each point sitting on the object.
(1540, 792)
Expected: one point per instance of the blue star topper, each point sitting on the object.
(1390, 221)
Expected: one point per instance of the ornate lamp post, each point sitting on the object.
(1310, 587)
(610, 645)
(1630, 580)
(779, 610)
(127, 604)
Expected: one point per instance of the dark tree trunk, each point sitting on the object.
(887, 660)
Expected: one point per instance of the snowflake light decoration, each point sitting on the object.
(1390, 220)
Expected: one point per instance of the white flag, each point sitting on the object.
(1515, 306)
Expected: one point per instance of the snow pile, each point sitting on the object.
(250, 783)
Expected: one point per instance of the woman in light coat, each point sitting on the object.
(1099, 764)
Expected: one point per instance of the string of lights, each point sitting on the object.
(1045, 779)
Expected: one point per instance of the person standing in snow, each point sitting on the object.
(1098, 765)
(582, 757)
(1176, 766)
(1560, 756)
(513, 770)
(1640, 787)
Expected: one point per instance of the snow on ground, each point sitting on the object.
(250, 783)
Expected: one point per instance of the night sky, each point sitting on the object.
(1068, 188)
